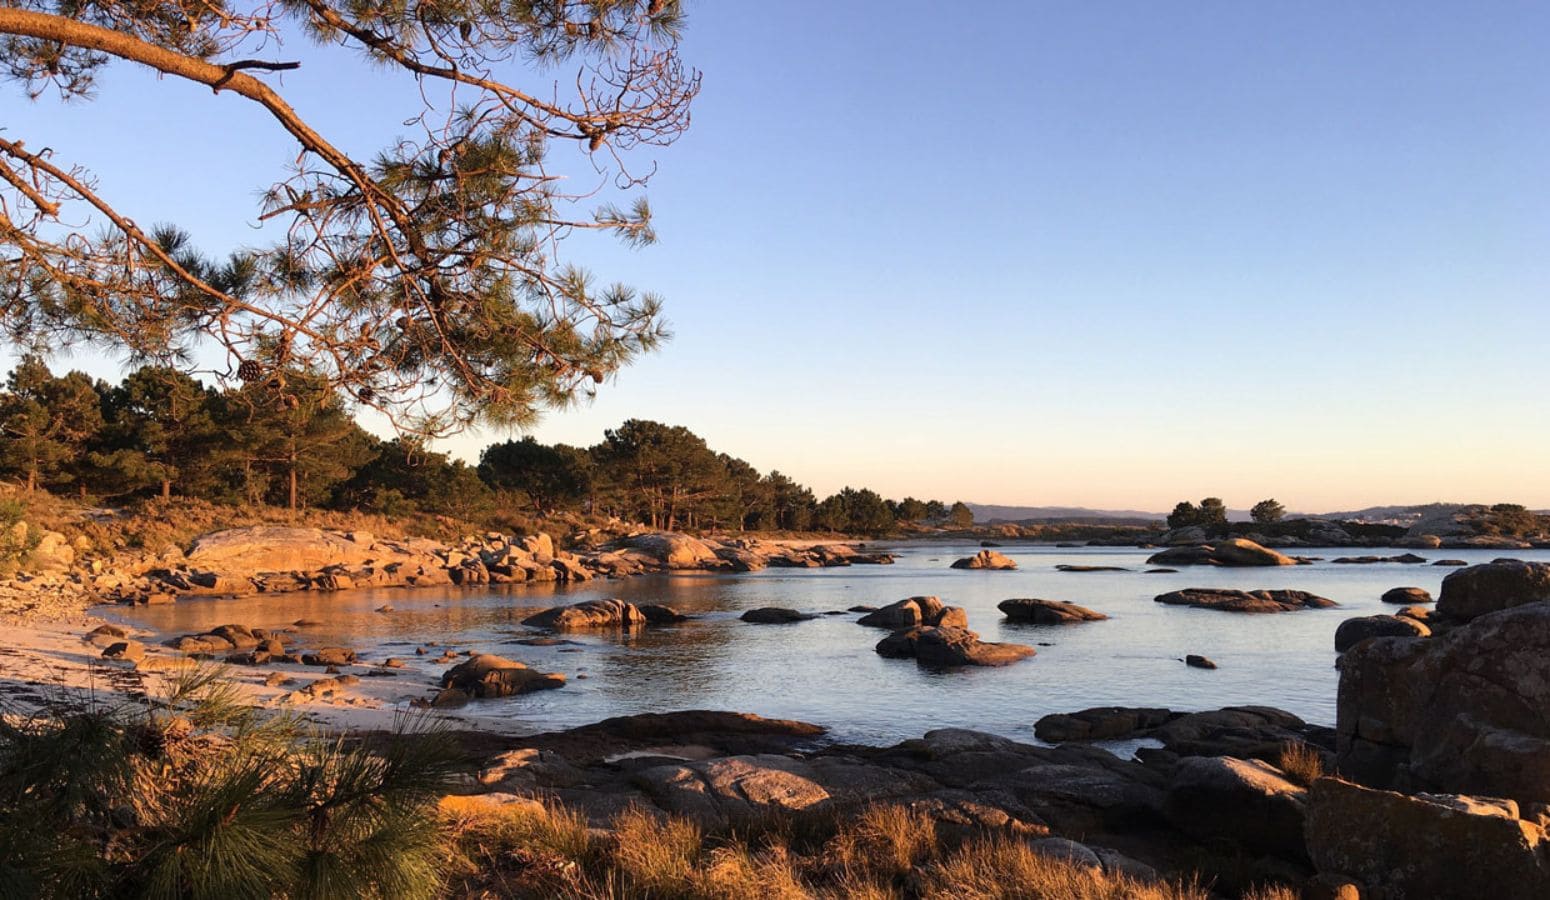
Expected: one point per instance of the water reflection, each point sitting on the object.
(824, 670)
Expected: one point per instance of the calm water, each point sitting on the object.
(824, 670)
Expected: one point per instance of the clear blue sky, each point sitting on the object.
(1110, 254)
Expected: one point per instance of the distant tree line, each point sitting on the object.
(288, 440)
(1211, 514)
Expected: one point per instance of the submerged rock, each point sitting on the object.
(657, 614)
(1047, 612)
(1100, 723)
(776, 615)
(1263, 601)
(1404, 596)
(947, 646)
(907, 613)
(985, 559)
(1232, 552)
(488, 675)
(608, 613)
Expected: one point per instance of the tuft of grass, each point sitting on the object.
(1005, 868)
(1302, 763)
(1272, 892)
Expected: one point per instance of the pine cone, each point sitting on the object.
(250, 370)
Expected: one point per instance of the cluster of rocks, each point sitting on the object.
(40, 549)
(254, 646)
(1450, 531)
(1465, 708)
(1459, 721)
(480, 675)
(609, 613)
(933, 634)
(1443, 724)
(276, 559)
(1132, 816)
(46, 587)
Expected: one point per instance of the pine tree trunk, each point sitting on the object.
(166, 488)
(32, 479)
(293, 473)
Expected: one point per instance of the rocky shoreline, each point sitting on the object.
(1439, 783)
(1438, 767)
(276, 559)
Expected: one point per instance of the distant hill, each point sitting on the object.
(988, 514)
(1393, 515)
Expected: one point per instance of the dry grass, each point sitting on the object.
(1302, 763)
(880, 853)
(1272, 892)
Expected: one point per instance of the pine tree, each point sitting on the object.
(1267, 512)
(550, 476)
(792, 505)
(300, 428)
(437, 260)
(665, 475)
(45, 421)
(160, 433)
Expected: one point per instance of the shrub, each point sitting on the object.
(191, 795)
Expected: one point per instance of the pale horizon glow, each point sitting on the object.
(1101, 255)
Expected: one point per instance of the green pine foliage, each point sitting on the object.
(288, 440)
(190, 794)
(426, 278)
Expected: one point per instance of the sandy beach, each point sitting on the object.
(56, 660)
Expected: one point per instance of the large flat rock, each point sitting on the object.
(274, 548)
